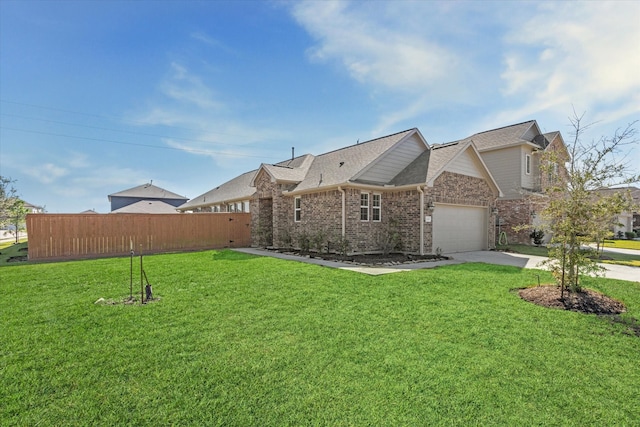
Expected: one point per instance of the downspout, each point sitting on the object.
(344, 220)
(421, 219)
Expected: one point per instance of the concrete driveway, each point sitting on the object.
(613, 271)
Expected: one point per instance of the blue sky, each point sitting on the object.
(100, 96)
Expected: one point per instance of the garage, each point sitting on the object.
(458, 228)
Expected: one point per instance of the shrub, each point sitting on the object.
(286, 239)
(304, 242)
(318, 240)
(343, 245)
(388, 239)
(537, 236)
(630, 235)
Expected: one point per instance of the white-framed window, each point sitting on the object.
(239, 207)
(364, 206)
(376, 204)
(527, 164)
(246, 206)
(297, 209)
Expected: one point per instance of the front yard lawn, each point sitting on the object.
(623, 244)
(240, 340)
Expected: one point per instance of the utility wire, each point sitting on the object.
(188, 150)
(120, 119)
(117, 130)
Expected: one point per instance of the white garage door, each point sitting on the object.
(459, 228)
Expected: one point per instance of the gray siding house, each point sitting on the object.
(164, 199)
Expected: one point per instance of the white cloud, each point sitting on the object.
(187, 88)
(394, 48)
(47, 173)
(584, 54)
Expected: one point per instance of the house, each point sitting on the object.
(513, 156)
(147, 207)
(232, 196)
(148, 193)
(33, 208)
(437, 198)
(626, 221)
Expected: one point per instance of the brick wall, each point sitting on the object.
(518, 213)
(321, 212)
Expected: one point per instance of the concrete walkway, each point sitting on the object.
(614, 271)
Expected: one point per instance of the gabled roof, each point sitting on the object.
(239, 188)
(293, 170)
(444, 155)
(343, 165)
(147, 207)
(521, 133)
(147, 191)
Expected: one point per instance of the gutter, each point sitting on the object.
(344, 210)
(339, 187)
(419, 188)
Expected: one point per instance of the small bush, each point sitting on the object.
(318, 240)
(342, 245)
(304, 242)
(286, 239)
(537, 236)
(630, 235)
(388, 239)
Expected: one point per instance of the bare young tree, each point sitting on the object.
(576, 213)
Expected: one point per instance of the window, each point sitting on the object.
(527, 164)
(375, 207)
(364, 207)
(297, 209)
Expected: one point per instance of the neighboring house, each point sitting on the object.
(626, 221)
(513, 155)
(33, 208)
(146, 192)
(148, 207)
(438, 198)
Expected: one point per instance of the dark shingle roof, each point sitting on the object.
(500, 137)
(339, 166)
(239, 188)
(147, 191)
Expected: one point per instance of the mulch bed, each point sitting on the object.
(368, 259)
(586, 301)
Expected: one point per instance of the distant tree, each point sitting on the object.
(12, 209)
(577, 214)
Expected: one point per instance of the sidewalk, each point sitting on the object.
(614, 271)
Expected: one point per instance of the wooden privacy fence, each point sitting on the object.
(73, 236)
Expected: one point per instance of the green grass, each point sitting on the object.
(623, 244)
(10, 249)
(237, 340)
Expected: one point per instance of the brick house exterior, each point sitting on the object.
(361, 193)
(514, 156)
